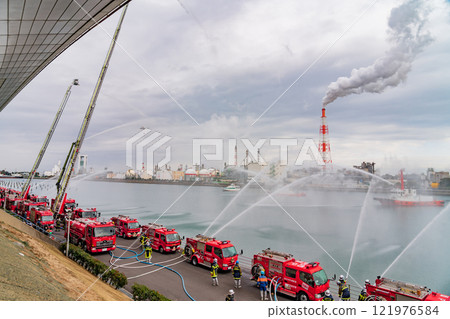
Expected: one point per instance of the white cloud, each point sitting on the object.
(226, 65)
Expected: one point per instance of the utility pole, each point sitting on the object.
(84, 126)
(47, 139)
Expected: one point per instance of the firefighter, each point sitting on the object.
(214, 270)
(345, 292)
(230, 296)
(362, 295)
(328, 296)
(340, 284)
(144, 240)
(262, 284)
(148, 249)
(237, 274)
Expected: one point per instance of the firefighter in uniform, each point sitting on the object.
(214, 270)
(345, 292)
(143, 240)
(148, 249)
(362, 295)
(230, 296)
(237, 274)
(340, 284)
(328, 296)
(262, 284)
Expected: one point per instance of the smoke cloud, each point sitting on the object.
(408, 39)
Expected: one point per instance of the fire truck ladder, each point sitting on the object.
(87, 118)
(47, 139)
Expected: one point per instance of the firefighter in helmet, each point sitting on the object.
(214, 271)
(148, 249)
(143, 240)
(237, 274)
(328, 296)
(345, 292)
(340, 284)
(230, 296)
(362, 295)
(262, 284)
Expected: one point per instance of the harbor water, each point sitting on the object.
(313, 225)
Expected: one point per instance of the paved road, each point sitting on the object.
(197, 279)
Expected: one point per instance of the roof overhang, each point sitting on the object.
(33, 33)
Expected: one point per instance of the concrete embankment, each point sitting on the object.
(32, 268)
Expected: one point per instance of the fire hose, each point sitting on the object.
(136, 255)
(276, 287)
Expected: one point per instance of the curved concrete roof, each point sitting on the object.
(34, 32)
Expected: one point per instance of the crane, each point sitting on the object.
(63, 182)
(41, 153)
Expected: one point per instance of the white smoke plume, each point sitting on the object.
(408, 39)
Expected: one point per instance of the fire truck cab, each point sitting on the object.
(393, 290)
(12, 203)
(126, 227)
(39, 199)
(295, 278)
(93, 236)
(26, 205)
(202, 250)
(162, 238)
(42, 217)
(89, 213)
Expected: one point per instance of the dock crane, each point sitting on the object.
(69, 165)
(25, 188)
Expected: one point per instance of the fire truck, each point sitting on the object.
(89, 213)
(12, 203)
(42, 217)
(68, 204)
(202, 250)
(393, 290)
(126, 227)
(295, 278)
(162, 238)
(39, 199)
(93, 236)
(24, 207)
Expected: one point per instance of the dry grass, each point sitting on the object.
(33, 270)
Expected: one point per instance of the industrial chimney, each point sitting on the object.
(324, 143)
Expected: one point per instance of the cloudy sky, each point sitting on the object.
(250, 69)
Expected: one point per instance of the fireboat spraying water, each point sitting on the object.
(408, 197)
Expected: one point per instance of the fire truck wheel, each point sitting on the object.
(301, 296)
(195, 261)
(161, 250)
(256, 271)
(375, 298)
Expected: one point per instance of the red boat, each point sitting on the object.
(408, 197)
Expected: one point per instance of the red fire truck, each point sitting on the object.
(68, 204)
(393, 290)
(42, 217)
(202, 250)
(12, 203)
(24, 207)
(162, 238)
(295, 278)
(39, 199)
(93, 236)
(89, 213)
(126, 227)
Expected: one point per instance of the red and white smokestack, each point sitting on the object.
(324, 143)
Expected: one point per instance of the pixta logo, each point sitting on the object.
(148, 141)
(308, 150)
